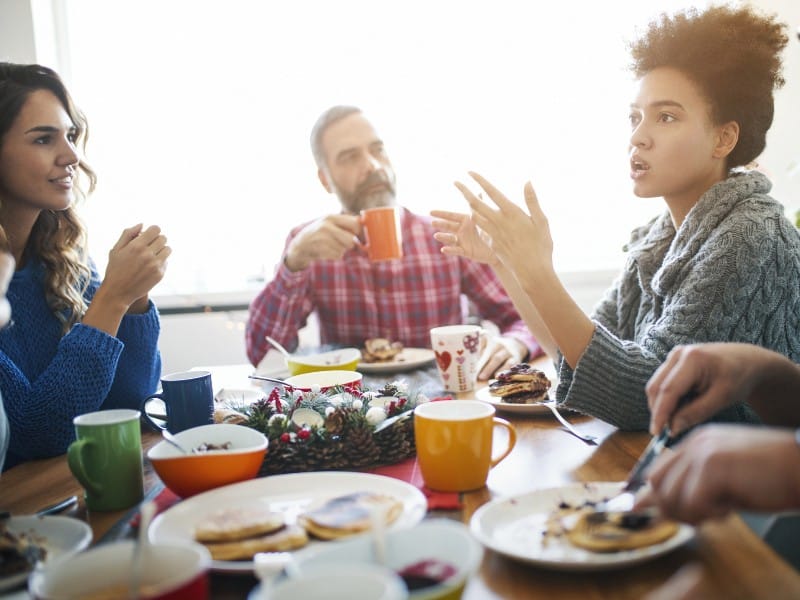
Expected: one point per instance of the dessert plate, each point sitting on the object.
(537, 408)
(290, 494)
(407, 359)
(514, 527)
(59, 536)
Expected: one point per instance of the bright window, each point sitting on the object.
(200, 114)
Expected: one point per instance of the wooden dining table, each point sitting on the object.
(735, 562)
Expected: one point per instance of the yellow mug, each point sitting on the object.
(454, 443)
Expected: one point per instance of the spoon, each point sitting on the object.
(277, 345)
(146, 512)
(170, 439)
(272, 379)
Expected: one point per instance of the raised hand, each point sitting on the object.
(327, 238)
(136, 263)
(460, 236)
(521, 240)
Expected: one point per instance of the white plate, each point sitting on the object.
(235, 397)
(290, 494)
(407, 359)
(528, 409)
(59, 536)
(513, 527)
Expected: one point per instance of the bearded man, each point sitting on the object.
(324, 267)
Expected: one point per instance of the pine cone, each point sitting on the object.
(336, 422)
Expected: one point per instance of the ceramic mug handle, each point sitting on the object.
(512, 439)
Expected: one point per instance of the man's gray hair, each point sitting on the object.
(325, 120)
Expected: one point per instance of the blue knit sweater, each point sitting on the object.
(48, 378)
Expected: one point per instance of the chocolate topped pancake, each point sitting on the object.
(348, 515)
(521, 384)
(615, 531)
(380, 350)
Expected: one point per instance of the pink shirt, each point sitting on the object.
(399, 300)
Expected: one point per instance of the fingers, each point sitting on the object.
(670, 382)
(532, 201)
(128, 235)
(496, 195)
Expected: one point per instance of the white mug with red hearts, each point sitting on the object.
(457, 349)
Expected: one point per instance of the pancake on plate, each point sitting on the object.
(240, 532)
(347, 515)
(378, 350)
(521, 384)
(615, 531)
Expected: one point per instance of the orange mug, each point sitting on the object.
(454, 443)
(384, 240)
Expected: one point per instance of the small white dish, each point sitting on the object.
(59, 536)
(513, 527)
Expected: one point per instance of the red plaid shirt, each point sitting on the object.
(400, 300)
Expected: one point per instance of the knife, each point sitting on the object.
(58, 507)
(637, 477)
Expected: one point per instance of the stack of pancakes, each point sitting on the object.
(617, 531)
(241, 532)
(238, 533)
(521, 384)
(380, 350)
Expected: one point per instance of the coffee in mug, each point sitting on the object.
(106, 458)
(454, 441)
(384, 238)
(188, 399)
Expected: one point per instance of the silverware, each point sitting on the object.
(272, 379)
(636, 479)
(170, 439)
(278, 346)
(140, 548)
(588, 439)
(58, 507)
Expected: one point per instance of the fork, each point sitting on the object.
(588, 439)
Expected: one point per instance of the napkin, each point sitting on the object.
(408, 471)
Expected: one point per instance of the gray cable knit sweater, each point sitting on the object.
(731, 273)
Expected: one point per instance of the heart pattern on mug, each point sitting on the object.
(460, 360)
(443, 359)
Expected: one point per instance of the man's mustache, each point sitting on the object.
(373, 179)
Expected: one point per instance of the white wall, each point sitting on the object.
(16, 31)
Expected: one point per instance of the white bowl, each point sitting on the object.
(336, 582)
(441, 539)
(325, 380)
(174, 571)
(344, 359)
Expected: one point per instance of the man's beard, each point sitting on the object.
(363, 198)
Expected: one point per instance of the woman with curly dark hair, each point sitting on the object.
(75, 344)
(721, 264)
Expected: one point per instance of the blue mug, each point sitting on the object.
(188, 398)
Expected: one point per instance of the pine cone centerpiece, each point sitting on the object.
(334, 430)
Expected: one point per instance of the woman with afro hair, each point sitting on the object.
(721, 264)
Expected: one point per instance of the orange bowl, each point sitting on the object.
(190, 474)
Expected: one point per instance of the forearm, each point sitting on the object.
(105, 311)
(569, 328)
(527, 311)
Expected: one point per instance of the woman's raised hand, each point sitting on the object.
(520, 240)
(136, 263)
(460, 236)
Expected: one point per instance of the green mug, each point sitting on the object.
(106, 458)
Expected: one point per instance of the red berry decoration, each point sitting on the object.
(303, 434)
(285, 437)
